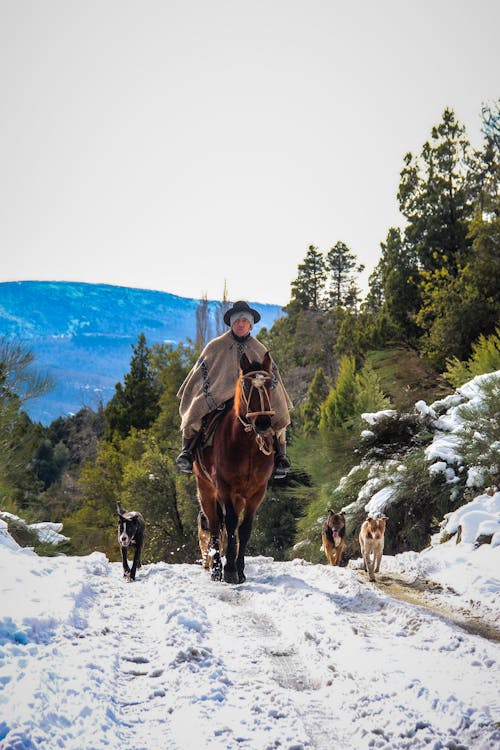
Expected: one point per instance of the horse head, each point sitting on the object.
(252, 398)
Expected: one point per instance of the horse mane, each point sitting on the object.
(238, 393)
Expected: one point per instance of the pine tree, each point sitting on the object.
(222, 308)
(457, 310)
(202, 323)
(436, 195)
(19, 382)
(170, 365)
(135, 404)
(486, 164)
(339, 406)
(149, 483)
(341, 267)
(311, 409)
(398, 292)
(370, 396)
(308, 287)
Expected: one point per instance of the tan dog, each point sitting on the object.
(204, 540)
(371, 542)
(333, 537)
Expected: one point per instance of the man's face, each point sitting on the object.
(241, 327)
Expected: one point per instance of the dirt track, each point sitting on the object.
(427, 594)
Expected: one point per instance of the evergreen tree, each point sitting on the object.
(354, 392)
(19, 382)
(397, 292)
(308, 287)
(135, 404)
(372, 304)
(222, 308)
(370, 396)
(339, 406)
(436, 195)
(149, 484)
(341, 267)
(49, 461)
(310, 412)
(275, 525)
(92, 526)
(486, 164)
(202, 323)
(170, 366)
(485, 357)
(309, 339)
(457, 310)
(80, 433)
(351, 338)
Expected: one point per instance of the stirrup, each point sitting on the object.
(281, 467)
(184, 462)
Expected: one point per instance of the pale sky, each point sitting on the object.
(182, 145)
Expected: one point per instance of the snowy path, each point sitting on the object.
(299, 657)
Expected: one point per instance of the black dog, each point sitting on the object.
(131, 526)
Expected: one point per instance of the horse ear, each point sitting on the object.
(244, 363)
(266, 362)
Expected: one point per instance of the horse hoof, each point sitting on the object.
(216, 574)
(231, 576)
(241, 577)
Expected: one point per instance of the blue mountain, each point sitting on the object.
(82, 334)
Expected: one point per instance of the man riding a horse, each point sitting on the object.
(211, 383)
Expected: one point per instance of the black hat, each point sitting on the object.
(240, 307)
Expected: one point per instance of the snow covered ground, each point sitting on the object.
(300, 656)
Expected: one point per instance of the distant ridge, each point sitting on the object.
(82, 334)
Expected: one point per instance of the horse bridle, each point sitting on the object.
(257, 379)
(257, 383)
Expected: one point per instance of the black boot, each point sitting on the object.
(184, 460)
(281, 462)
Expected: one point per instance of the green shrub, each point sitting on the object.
(20, 532)
(479, 436)
(394, 434)
(485, 358)
(419, 499)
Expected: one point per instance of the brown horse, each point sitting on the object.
(232, 473)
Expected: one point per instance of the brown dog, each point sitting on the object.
(371, 542)
(333, 536)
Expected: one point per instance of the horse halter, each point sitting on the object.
(257, 380)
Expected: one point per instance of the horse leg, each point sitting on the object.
(230, 573)
(216, 545)
(214, 517)
(244, 535)
(216, 574)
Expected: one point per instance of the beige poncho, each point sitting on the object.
(212, 381)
